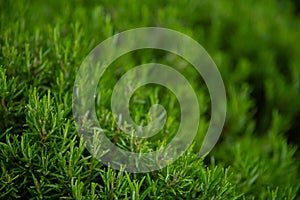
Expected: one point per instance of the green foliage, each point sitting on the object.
(11, 105)
(254, 44)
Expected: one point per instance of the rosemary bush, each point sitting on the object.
(254, 45)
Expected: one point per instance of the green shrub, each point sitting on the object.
(254, 45)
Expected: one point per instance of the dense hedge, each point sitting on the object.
(254, 44)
